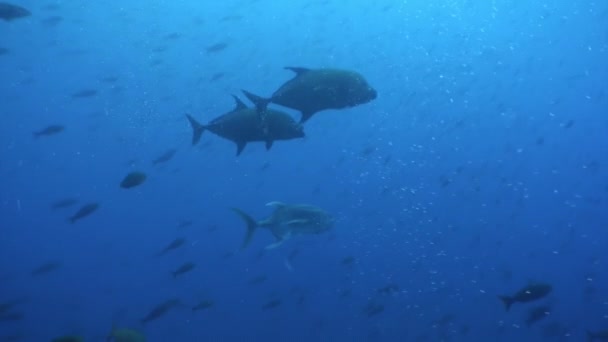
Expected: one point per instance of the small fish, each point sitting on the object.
(527, 294)
(372, 309)
(46, 268)
(597, 336)
(4, 51)
(205, 304)
(160, 310)
(217, 76)
(84, 93)
(83, 212)
(537, 313)
(216, 47)
(184, 268)
(9, 305)
(347, 261)
(258, 279)
(63, 203)
(173, 36)
(52, 21)
(68, 338)
(109, 79)
(272, 304)
(388, 289)
(133, 179)
(10, 12)
(175, 244)
(165, 157)
(184, 223)
(11, 317)
(49, 130)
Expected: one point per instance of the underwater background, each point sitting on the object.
(480, 168)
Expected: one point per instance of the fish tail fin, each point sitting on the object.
(251, 226)
(305, 116)
(507, 301)
(260, 103)
(197, 129)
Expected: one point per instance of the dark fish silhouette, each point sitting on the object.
(133, 179)
(84, 211)
(597, 336)
(52, 21)
(84, 93)
(272, 304)
(46, 268)
(175, 244)
(288, 221)
(160, 310)
(216, 47)
(183, 269)
(372, 309)
(10, 12)
(4, 51)
(315, 90)
(243, 125)
(349, 260)
(205, 304)
(68, 338)
(63, 203)
(537, 313)
(388, 289)
(49, 130)
(10, 304)
(165, 157)
(527, 294)
(258, 279)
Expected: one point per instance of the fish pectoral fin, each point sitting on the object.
(240, 146)
(298, 70)
(274, 245)
(275, 204)
(305, 117)
(269, 144)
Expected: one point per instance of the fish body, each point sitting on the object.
(315, 90)
(160, 310)
(205, 304)
(175, 244)
(165, 157)
(243, 125)
(133, 179)
(287, 221)
(126, 335)
(46, 268)
(527, 294)
(49, 130)
(184, 268)
(63, 203)
(83, 212)
(10, 12)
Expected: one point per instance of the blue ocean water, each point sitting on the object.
(481, 168)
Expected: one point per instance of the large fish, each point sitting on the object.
(527, 294)
(287, 221)
(10, 12)
(315, 90)
(243, 125)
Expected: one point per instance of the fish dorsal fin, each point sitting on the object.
(239, 105)
(298, 70)
(260, 103)
(275, 204)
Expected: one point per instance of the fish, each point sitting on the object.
(4, 51)
(537, 313)
(63, 203)
(49, 130)
(315, 90)
(46, 268)
(83, 212)
(597, 336)
(68, 338)
(52, 21)
(272, 304)
(9, 12)
(258, 279)
(347, 261)
(175, 244)
(526, 294)
(160, 310)
(165, 157)
(133, 179)
(84, 93)
(388, 289)
(372, 309)
(243, 125)
(216, 47)
(183, 269)
(205, 304)
(287, 221)
(9, 305)
(12, 317)
(126, 335)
